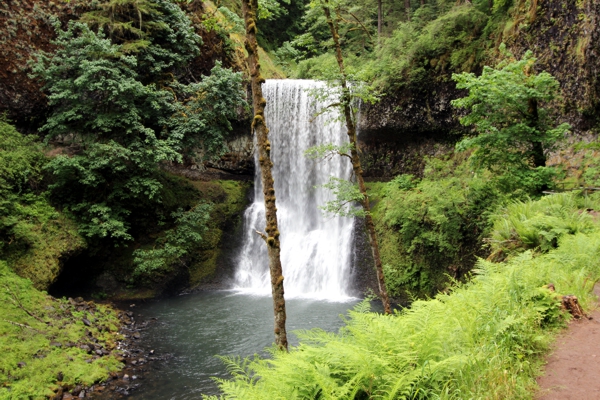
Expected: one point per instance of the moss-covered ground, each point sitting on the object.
(47, 344)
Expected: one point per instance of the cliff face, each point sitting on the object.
(25, 28)
(563, 35)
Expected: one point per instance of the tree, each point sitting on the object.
(123, 126)
(514, 130)
(363, 199)
(263, 147)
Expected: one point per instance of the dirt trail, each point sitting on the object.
(573, 368)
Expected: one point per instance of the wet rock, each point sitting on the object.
(56, 344)
(67, 396)
(59, 376)
(125, 377)
(136, 335)
(86, 322)
(21, 364)
(99, 352)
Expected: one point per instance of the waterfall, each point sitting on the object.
(315, 249)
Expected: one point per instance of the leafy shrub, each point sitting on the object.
(514, 130)
(432, 229)
(123, 126)
(540, 225)
(157, 32)
(175, 244)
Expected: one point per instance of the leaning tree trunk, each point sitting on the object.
(379, 17)
(249, 8)
(346, 99)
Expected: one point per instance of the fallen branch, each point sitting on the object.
(22, 325)
(16, 302)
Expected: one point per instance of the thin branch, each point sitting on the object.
(22, 325)
(323, 110)
(361, 24)
(16, 302)
(345, 155)
(262, 235)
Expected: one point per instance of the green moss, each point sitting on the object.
(229, 199)
(40, 338)
(40, 238)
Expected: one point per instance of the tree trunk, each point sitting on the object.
(379, 17)
(407, 9)
(249, 8)
(539, 158)
(346, 99)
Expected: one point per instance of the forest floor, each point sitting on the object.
(572, 371)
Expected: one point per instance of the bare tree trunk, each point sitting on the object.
(422, 3)
(346, 99)
(407, 9)
(249, 8)
(539, 158)
(379, 17)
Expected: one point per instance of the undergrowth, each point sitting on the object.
(481, 339)
(431, 229)
(40, 339)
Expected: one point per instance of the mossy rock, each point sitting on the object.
(230, 200)
(42, 242)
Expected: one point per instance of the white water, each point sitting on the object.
(315, 249)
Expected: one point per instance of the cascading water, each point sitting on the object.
(315, 249)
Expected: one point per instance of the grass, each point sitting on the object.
(40, 338)
(482, 339)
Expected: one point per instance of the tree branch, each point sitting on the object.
(16, 302)
(262, 235)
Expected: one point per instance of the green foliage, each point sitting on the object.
(346, 194)
(33, 235)
(157, 31)
(123, 125)
(269, 9)
(208, 108)
(175, 244)
(328, 150)
(540, 225)
(432, 229)
(21, 162)
(483, 339)
(40, 338)
(453, 41)
(514, 130)
(440, 38)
